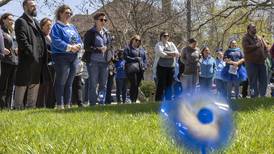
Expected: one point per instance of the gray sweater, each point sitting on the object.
(190, 58)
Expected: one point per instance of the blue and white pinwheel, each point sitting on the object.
(198, 122)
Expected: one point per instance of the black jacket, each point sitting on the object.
(32, 53)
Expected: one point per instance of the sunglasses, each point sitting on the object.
(166, 35)
(105, 20)
(68, 13)
(137, 40)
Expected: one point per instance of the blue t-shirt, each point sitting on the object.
(120, 69)
(63, 35)
(235, 54)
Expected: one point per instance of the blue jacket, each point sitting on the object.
(220, 64)
(207, 67)
(131, 55)
(120, 69)
(63, 35)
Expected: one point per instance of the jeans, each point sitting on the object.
(65, 69)
(134, 80)
(189, 83)
(257, 77)
(121, 88)
(98, 74)
(221, 86)
(164, 83)
(230, 85)
(205, 83)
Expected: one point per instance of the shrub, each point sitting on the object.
(148, 88)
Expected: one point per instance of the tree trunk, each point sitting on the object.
(188, 26)
(4, 2)
(166, 7)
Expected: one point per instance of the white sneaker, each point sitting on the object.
(60, 107)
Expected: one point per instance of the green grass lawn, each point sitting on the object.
(131, 128)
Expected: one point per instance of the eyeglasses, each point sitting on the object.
(105, 20)
(166, 35)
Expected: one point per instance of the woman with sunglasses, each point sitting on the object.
(9, 61)
(135, 65)
(66, 43)
(166, 54)
(97, 43)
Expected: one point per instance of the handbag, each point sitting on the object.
(132, 67)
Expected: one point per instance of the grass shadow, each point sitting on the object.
(121, 109)
(241, 105)
(252, 104)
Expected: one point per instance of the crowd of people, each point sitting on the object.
(44, 64)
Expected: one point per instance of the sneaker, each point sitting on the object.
(60, 107)
(67, 106)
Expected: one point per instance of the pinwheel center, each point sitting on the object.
(205, 116)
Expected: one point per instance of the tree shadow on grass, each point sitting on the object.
(121, 109)
(252, 104)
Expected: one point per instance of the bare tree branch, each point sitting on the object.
(4, 2)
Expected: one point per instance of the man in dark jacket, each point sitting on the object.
(255, 53)
(32, 53)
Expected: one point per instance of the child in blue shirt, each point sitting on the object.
(207, 69)
(219, 81)
(121, 77)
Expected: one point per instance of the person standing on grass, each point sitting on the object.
(219, 81)
(32, 53)
(121, 78)
(66, 43)
(234, 71)
(166, 54)
(255, 53)
(9, 62)
(136, 64)
(190, 59)
(46, 91)
(97, 43)
(208, 65)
